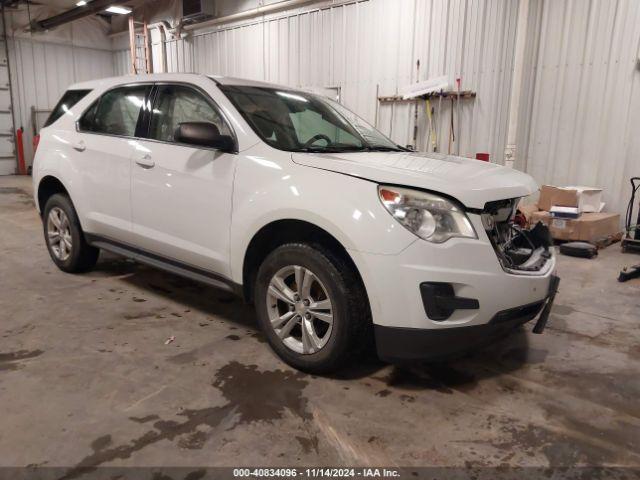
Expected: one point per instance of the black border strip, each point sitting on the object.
(163, 263)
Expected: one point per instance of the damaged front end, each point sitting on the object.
(519, 250)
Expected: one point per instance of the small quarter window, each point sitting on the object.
(116, 112)
(68, 100)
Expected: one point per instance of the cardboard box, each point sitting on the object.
(589, 227)
(550, 196)
(528, 211)
(586, 199)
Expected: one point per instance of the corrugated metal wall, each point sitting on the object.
(369, 46)
(580, 118)
(579, 101)
(41, 72)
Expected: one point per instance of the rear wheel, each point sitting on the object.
(64, 237)
(312, 307)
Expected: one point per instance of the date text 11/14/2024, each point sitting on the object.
(316, 472)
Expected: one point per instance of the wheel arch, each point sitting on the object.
(48, 186)
(279, 232)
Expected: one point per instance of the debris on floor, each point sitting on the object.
(628, 273)
(169, 340)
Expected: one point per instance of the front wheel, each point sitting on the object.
(312, 307)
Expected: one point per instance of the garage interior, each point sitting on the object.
(128, 366)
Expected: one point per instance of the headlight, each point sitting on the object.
(429, 216)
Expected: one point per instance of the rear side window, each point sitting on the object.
(68, 100)
(116, 112)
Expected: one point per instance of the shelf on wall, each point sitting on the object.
(465, 94)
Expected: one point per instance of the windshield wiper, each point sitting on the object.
(330, 149)
(351, 148)
(384, 148)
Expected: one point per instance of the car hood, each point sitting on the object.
(472, 182)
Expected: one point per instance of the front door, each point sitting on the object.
(181, 194)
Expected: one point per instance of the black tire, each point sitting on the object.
(82, 256)
(351, 325)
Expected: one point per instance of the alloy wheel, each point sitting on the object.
(300, 309)
(59, 233)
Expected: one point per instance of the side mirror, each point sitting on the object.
(204, 134)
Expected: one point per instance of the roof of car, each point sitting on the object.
(222, 80)
(156, 77)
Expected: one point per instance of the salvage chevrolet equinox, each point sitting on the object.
(337, 235)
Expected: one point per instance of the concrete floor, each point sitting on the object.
(87, 380)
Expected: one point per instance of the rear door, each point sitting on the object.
(181, 194)
(104, 147)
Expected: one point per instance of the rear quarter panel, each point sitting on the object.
(55, 155)
(54, 158)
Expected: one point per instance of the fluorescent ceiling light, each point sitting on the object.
(118, 10)
(81, 3)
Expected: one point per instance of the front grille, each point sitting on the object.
(518, 250)
(497, 219)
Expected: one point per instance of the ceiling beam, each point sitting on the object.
(73, 14)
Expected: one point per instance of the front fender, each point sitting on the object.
(268, 189)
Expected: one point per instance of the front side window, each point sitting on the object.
(300, 121)
(176, 104)
(116, 112)
(68, 100)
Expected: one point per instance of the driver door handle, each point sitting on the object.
(80, 146)
(146, 161)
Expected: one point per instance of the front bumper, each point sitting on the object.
(471, 268)
(402, 344)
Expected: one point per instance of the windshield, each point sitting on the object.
(303, 122)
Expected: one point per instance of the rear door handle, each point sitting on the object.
(80, 146)
(146, 161)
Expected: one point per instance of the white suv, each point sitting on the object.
(335, 233)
